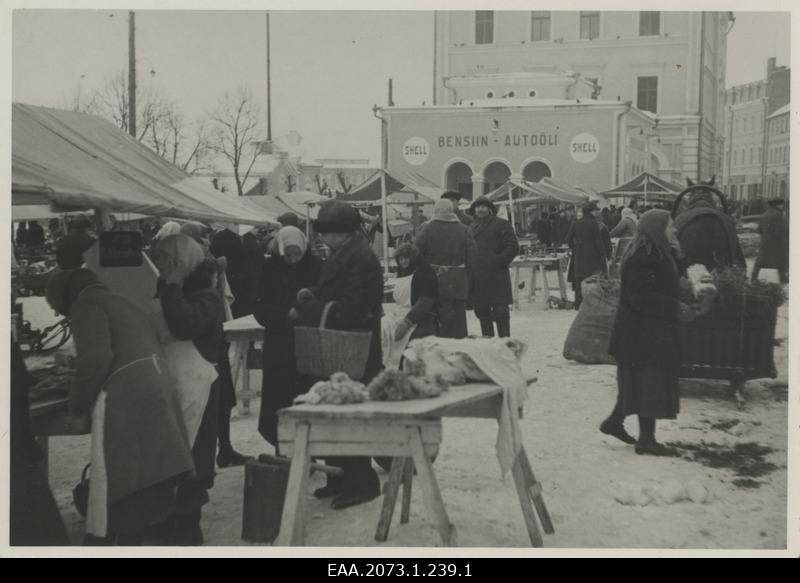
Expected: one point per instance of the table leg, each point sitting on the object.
(545, 286)
(516, 287)
(525, 503)
(293, 518)
(430, 489)
(392, 488)
(534, 489)
(245, 410)
(408, 476)
(532, 291)
(562, 283)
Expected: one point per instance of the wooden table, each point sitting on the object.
(405, 431)
(540, 265)
(242, 332)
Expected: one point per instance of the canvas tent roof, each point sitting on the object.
(396, 182)
(527, 191)
(302, 202)
(653, 184)
(71, 161)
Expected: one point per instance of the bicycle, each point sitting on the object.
(46, 340)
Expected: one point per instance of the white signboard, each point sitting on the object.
(416, 150)
(584, 148)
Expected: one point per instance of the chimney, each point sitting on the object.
(770, 66)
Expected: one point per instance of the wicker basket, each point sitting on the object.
(320, 352)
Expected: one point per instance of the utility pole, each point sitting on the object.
(269, 99)
(132, 73)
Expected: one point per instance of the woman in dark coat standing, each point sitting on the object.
(289, 270)
(139, 444)
(591, 247)
(352, 279)
(774, 251)
(645, 340)
(490, 281)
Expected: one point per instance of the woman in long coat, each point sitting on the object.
(289, 270)
(490, 281)
(139, 444)
(645, 338)
(591, 247)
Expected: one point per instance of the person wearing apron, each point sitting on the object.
(193, 313)
(139, 448)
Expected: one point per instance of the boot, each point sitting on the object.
(187, 531)
(228, 457)
(503, 324)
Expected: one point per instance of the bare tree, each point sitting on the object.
(161, 126)
(236, 133)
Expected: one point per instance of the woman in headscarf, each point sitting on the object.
(645, 340)
(193, 312)
(139, 445)
(624, 231)
(413, 314)
(291, 268)
(223, 263)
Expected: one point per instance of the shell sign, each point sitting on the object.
(416, 151)
(584, 148)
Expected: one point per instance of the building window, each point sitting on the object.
(540, 25)
(647, 94)
(752, 158)
(590, 25)
(484, 27)
(760, 156)
(649, 23)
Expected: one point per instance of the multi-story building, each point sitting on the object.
(778, 154)
(753, 130)
(670, 64)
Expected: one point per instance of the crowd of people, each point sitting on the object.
(159, 389)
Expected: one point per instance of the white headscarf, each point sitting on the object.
(290, 237)
(629, 213)
(169, 228)
(183, 250)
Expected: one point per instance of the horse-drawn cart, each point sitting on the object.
(735, 340)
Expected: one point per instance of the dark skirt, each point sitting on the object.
(649, 392)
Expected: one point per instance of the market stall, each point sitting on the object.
(645, 187)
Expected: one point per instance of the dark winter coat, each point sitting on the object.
(194, 314)
(352, 278)
(496, 245)
(774, 230)
(145, 442)
(228, 244)
(277, 290)
(708, 237)
(645, 332)
(564, 225)
(544, 231)
(591, 247)
(443, 243)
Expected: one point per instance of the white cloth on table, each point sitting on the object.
(97, 507)
(495, 358)
(393, 315)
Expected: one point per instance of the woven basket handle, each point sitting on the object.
(325, 312)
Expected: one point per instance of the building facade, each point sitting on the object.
(671, 64)
(756, 135)
(776, 177)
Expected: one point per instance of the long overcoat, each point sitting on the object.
(496, 246)
(774, 231)
(589, 247)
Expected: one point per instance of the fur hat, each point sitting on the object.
(337, 216)
(483, 201)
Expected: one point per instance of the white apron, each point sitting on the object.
(394, 314)
(190, 374)
(97, 507)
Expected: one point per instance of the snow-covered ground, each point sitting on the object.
(600, 494)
